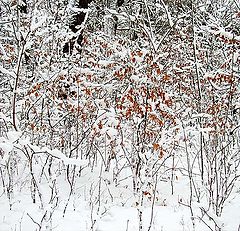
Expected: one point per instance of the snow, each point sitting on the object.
(119, 214)
(104, 62)
(59, 155)
(2, 116)
(37, 21)
(5, 71)
(7, 147)
(3, 50)
(84, 165)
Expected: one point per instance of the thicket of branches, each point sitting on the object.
(149, 87)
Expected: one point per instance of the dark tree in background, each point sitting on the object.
(75, 24)
(23, 6)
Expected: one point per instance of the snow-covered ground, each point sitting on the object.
(115, 211)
